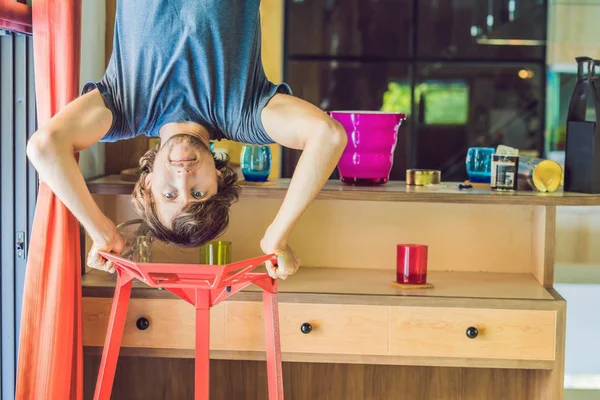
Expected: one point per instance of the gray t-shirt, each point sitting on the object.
(187, 60)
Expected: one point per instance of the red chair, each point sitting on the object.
(202, 286)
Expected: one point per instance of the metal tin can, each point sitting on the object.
(422, 177)
(505, 172)
(539, 174)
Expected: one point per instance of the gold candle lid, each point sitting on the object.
(422, 177)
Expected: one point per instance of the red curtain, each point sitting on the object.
(51, 353)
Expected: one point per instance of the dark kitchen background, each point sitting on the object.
(466, 72)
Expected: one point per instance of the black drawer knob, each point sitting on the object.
(306, 328)
(472, 332)
(142, 323)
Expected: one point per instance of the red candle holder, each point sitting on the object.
(411, 267)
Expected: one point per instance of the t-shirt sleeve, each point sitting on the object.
(251, 129)
(119, 130)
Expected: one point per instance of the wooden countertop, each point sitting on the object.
(361, 282)
(392, 191)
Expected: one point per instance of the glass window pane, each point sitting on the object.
(448, 29)
(462, 106)
(337, 85)
(348, 27)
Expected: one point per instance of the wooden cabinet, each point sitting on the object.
(473, 333)
(323, 330)
(151, 324)
(573, 31)
(492, 308)
(312, 328)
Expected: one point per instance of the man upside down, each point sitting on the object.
(187, 72)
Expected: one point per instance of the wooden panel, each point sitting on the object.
(337, 358)
(543, 251)
(125, 154)
(111, 7)
(173, 379)
(490, 238)
(573, 30)
(461, 237)
(172, 324)
(339, 329)
(507, 334)
(144, 378)
(271, 19)
(551, 383)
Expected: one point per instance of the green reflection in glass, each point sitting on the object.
(446, 103)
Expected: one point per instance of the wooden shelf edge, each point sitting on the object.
(366, 300)
(335, 358)
(393, 191)
(110, 188)
(366, 286)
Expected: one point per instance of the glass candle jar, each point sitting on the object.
(255, 162)
(411, 264)
(479, 164)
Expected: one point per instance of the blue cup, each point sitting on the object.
(479, 164)
(256, 163)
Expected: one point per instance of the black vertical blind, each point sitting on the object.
(18, 190)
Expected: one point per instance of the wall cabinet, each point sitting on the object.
(573, 31)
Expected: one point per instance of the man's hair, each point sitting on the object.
(198, 222)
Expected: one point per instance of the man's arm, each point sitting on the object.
(297, 124)
(52, 150)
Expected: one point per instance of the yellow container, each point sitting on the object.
(422, 177)
(539, 174)
(216, 253)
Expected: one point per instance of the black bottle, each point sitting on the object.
(582, 153)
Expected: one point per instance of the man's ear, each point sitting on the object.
(147, 180)
(219, 173)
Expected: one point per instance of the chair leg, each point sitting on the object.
(273, 346)
(202, 384)
(114, 334)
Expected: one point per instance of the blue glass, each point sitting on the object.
(256, 163)
(479, 164)
(212, 147)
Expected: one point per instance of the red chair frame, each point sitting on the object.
(203, 286)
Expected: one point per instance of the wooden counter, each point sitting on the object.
(491, 261)
(394, 191)
(311, 281)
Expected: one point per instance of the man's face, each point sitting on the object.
(184, 171)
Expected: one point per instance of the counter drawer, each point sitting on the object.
(172, 323)
(336, 329)
(501, 334)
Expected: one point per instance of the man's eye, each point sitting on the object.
(169, 196)
(198, 194)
